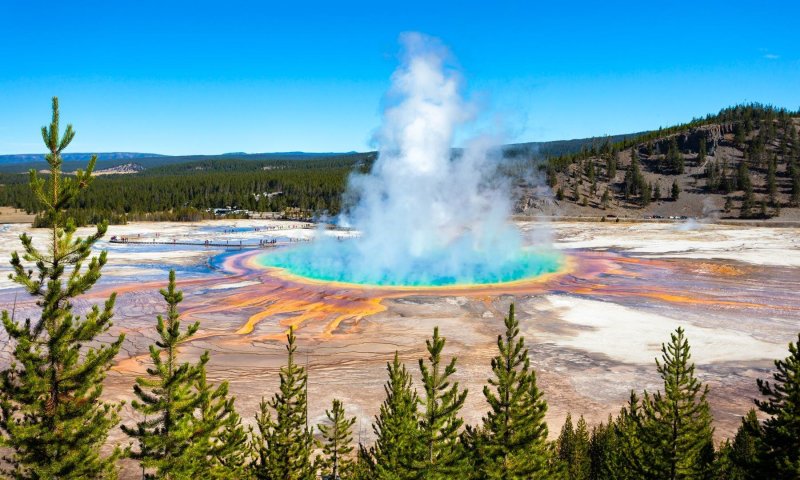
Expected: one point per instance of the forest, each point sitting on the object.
(184, 192)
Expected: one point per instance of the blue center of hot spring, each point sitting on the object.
(347, 264)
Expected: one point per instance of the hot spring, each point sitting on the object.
(426, 214)
(305, 261)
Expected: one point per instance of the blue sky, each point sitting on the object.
(212, 77)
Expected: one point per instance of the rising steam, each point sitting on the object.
(426, 216)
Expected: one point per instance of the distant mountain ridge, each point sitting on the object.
(71, 157)
(20, 163)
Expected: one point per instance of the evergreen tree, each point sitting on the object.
(676, 190)
(439, 422)
(657, 192)
(781, 431)
(632, 455)
(772, 186)
(573, 449)
(220, 447)
(743, 177)
(283, 446)
(744, 451)
(606, 199)
(634, 180)
(365, 466)
(52, 420)
(604, 451)
(167, 399)
(646, 194)
(336, 444)
(723, 467)
(676, 424)
(613, 161)
(513, 444)
(674, 157)
(396, 427)
(748, 202)
(739, 133)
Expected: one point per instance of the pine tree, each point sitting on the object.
(581, 463)
(513, 440)
(604, 451)
(723, 467)
(781, 452)
(220, 446)
(439, 422)
(633, 177)
(676, 427)
(606, 199)
(396, 427)
(283, 446)
(748, 202)
(743, 177)
(573, 449)
(646, 194)
(772, 186)
(167, 399)
(674, 157)
(745, 449)
(676, 190)
(336, 444)
(628, 428)
(613, 161)
(53, 421)
(364, 467)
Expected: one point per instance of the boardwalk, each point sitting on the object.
(210, 244)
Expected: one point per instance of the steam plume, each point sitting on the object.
(426, 216)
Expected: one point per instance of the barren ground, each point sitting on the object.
(593, 333)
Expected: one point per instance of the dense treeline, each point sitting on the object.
(186, 191)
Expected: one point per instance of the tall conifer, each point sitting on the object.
(444, 457)
(220, 446)
(167, 399)
(337, 438)
(781, 452)
(745, 450)
(398, 441)
(53, 421)
(514, 443)
(283, 444)
(573, 449)
(676, 424)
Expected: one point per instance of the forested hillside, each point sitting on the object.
(743, 162)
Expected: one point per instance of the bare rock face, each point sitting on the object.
(535, 201)
(125, 169)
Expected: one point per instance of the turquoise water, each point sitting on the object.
(345, 263)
